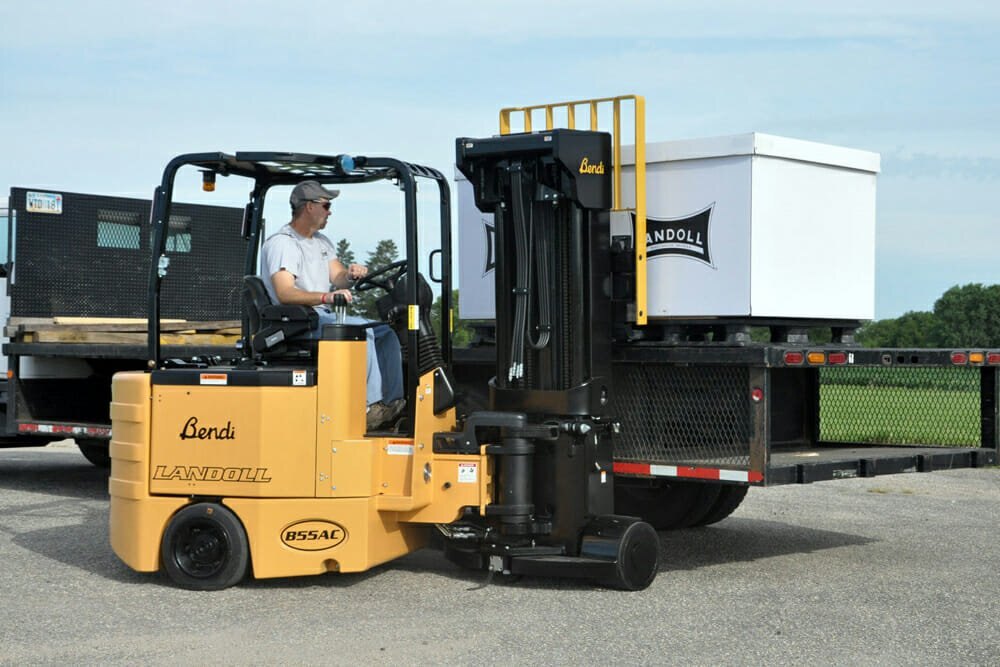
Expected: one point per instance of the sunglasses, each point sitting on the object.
(324, 204)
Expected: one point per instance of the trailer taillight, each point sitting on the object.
(837, 358)
(816, 358)
(993, 358)
(793, 358)
(757, 394)
(977, 358)
(959, 358)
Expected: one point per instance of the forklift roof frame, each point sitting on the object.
(268, 169)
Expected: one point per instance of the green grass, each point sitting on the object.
(918, 410)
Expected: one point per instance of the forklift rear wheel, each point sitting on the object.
(95, 451)
(205, 548)
(638, 558)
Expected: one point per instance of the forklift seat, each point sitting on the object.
(277, 330)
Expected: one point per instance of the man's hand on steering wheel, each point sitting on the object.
(384, 278)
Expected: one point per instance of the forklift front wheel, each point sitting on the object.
(205, 548)
(638, 558)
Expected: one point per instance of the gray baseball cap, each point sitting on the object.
(310, 191)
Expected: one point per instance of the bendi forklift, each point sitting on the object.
(264, 464)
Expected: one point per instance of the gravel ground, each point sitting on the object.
(889, 571)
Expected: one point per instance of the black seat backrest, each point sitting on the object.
(277, 329)
(255, 299)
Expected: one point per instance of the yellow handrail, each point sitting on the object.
(639, 105)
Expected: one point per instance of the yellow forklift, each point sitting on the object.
(263, 464)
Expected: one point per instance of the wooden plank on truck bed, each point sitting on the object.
(66, 319)
(72, 335)
(215, 326)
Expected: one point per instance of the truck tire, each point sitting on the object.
(95, 451)
(706, 497)
(663, 505)
(204, 548)
(729, 499)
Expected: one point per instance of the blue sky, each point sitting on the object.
(96, 97)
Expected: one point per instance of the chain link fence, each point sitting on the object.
(900, 406)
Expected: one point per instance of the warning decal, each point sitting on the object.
(468, 473)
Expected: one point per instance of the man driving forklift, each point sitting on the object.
(299, 265)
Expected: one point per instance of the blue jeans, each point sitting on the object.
(385, 358)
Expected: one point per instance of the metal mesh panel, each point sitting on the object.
(683, 415)
(900, 406)
(92, 260)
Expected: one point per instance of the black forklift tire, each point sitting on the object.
(205, 548)
(638, 558)
(730, 497)
(95, 451)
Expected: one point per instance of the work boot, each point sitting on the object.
(381, 413)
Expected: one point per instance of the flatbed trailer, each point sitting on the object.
(754, 414)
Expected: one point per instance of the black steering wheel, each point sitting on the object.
(385, 278)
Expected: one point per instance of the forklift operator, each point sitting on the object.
(299, 265)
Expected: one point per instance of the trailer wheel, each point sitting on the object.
(95, 451)
(205, 548)
(638, 558)
(729, 499)
(705, 497)
(664, 505)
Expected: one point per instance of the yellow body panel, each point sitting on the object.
(370, 538)
(234, 441)
(136, 520)
(292, 462)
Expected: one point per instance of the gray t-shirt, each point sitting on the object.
(308, 259)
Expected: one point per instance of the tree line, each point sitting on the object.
(385, 253)
(964, 316)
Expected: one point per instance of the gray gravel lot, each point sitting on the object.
(895, 570)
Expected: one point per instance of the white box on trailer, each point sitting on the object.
(743, 226)
(476, 299)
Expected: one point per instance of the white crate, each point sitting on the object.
(750, 225)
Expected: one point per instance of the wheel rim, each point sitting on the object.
(202, 549)
(641, 555)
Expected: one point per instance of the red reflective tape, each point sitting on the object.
(698, 473)
(687, 472)
(632, 468)
(63, 429)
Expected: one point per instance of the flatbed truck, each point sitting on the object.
(74, 306)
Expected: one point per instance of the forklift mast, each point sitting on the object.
(550, 193)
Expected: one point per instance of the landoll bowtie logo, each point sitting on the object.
(490, 233)
(686, 237)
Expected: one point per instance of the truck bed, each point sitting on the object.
(827, 462)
